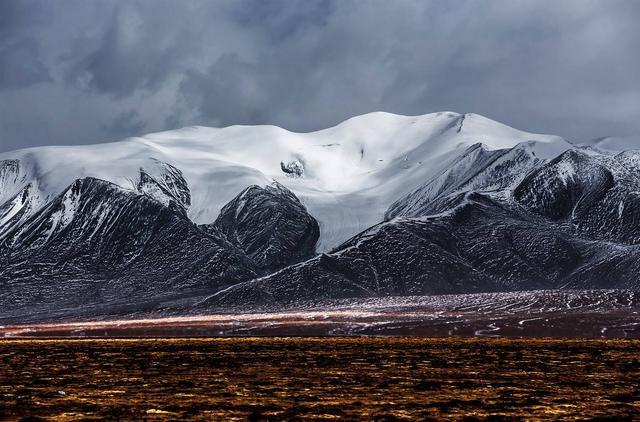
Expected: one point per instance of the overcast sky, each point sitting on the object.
(86, 71)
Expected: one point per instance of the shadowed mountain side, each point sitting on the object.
(597, 195)
(480, 246)
(270, 225)
(99, 245)
(97, 242)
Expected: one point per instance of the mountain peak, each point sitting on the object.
(367, 162)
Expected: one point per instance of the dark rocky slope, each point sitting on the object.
(100, 244)
(97, 242)
(597, 196)
(270, 225)
(570, 223)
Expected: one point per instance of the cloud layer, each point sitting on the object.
(82, 72)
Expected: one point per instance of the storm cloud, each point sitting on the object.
(77, 71)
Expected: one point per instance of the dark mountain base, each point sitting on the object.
(560, 314)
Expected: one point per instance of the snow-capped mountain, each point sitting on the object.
(349, 174)
(379, 205)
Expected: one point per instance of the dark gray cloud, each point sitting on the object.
(125, 124)
(282, 19)
(82, 72)
(20, 65)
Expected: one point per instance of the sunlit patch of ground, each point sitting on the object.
(397, 378)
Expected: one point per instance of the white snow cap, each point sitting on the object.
(350, 175)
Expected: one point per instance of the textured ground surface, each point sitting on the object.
(390, 378)
(544, 313)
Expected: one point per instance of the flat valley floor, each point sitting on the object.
(319, 378)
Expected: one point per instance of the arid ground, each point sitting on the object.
(362, 378)
(538, 314)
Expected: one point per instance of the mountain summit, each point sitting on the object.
(381, 204)
(347, 175)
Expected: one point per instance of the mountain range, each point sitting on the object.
(205, 219)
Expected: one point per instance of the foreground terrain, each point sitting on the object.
(390, 378)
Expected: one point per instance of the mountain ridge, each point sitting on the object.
(379, 205)
(364, 161)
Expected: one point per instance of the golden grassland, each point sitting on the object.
(329, 378)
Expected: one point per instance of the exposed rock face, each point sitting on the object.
(478, 169)
(16, 210)
(270, 225)
(9, 177)
(480, 246)
(97, 242)
(573, 222)
(565, 187)
(293, 168)
(597, 196)
(166, 184)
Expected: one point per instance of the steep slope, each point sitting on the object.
(478, 246)
(569, 222)
(270, 225)
(596, 194)
(478, 169)
(12, 179)
(18, 209)
(97, 242)
(165, 183)
(98, 248)
(565, 187)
